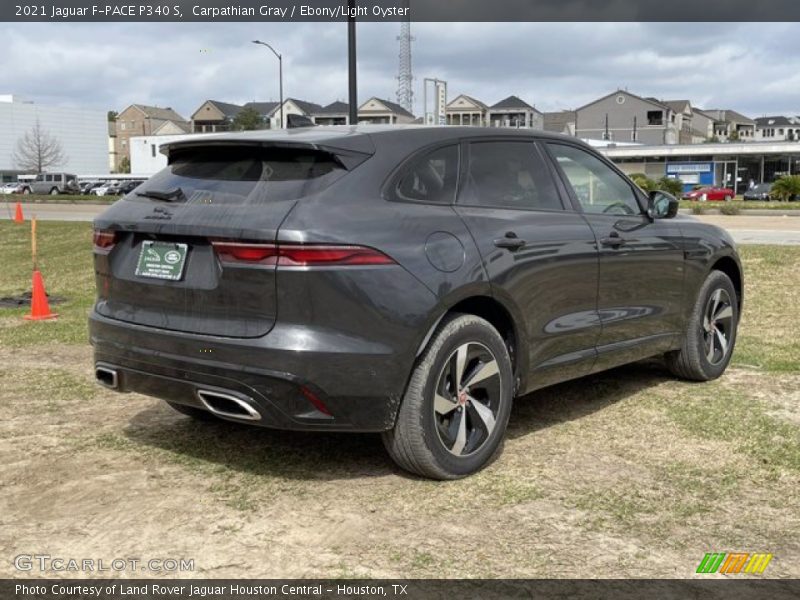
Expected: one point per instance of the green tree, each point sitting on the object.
(248, 119)
(671, 185)
(643, 181)
(124, 165)
(112, 115)
(734, 136)
(787, 187)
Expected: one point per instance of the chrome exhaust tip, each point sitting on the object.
(228, 406)
(106, 377)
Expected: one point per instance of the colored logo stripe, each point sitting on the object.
(734, 562)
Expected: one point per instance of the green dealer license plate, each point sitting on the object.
(161, 260)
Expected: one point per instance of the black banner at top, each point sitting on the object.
(397, 10)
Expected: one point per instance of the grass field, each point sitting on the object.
(629, 473)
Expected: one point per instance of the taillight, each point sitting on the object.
(235, 252)
(299, 255)
(104, 240)
(320, 255)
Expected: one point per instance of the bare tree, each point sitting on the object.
(37, 150)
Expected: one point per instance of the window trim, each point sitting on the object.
(637, 194)
(389, 188)
(536, 147)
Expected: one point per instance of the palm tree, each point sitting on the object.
(787, 187)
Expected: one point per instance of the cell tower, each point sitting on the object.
(405, 88)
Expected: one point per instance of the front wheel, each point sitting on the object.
(54, 192)
(711, 332)
(455, 410)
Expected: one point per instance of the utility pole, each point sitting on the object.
(351, 64)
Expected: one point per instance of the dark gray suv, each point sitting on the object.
(404, 280)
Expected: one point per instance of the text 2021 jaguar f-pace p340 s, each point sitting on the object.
(410, 281)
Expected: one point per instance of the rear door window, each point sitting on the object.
(432, 177)
(509, 174)
(243, 175)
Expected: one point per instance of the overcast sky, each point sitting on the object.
(751, 68)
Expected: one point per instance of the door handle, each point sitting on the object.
(614, 240)
(510, 242)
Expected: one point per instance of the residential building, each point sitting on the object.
(293, 106)
(466, 110)
(139, 119)
(625, 117)
(514, 112)
(731, 126)
(562, 121)
(377, 110)
(693, 126)
(772, 129)
(213, 116)
(82, 134)
(336, 113)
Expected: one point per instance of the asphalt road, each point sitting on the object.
(745, 229)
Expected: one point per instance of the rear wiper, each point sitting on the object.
(170, 196)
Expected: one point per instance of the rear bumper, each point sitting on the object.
(361, 382)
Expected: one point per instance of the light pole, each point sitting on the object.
(280, 74)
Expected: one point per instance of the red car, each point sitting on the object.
(710, 193)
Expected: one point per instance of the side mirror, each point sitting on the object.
(661, 205)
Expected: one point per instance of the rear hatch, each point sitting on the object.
(192, 248)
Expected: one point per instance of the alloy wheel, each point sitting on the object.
(467, 399)
(717, 326)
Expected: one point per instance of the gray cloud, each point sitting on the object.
(752, 68)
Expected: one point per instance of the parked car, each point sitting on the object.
(89, 189)
(759, 192)
(55, 183)
(104, 189)
(126, 187)
(407, 280)
(710, 193)
(14, 187)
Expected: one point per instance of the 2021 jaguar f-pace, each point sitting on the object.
(404, 280)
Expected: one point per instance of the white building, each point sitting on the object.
(146, 156)
(82, 133)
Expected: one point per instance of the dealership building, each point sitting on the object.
(82, 134)
(729, 164)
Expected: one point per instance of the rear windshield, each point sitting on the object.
(242, 176)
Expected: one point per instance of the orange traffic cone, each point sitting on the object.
(40, 309)
(18, 218)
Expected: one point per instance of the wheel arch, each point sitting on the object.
(500, 317)
(733, 270)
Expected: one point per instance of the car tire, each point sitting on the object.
(54, 192)
(454, 413)
(26, 191)
(710, 334)
(198, 414)
(703, 197)
(728, 198)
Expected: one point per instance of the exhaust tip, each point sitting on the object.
(106, 377)
(228, 406)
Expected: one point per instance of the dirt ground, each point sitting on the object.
(599, 478)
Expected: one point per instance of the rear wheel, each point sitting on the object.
(190, 411)
(455, 411)
(711, 332)
(54, 192)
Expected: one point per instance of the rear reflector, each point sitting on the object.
(315, 401)
(104, 240)
(299, 255)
